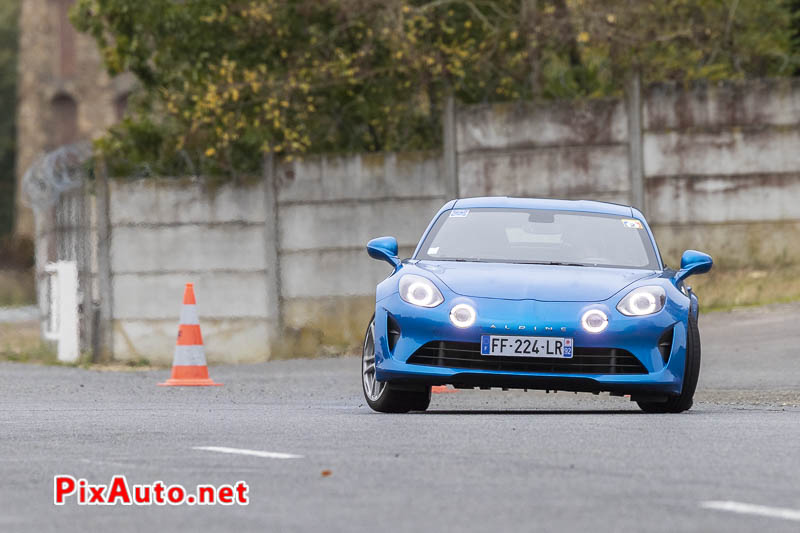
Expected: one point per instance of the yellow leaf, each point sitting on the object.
(210, 152)
(583, 37)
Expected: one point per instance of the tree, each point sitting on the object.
(794, 7)
(223, 83)
(688, 40)
(9, 19)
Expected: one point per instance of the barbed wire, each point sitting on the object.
(55, 173)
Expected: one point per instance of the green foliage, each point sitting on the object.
(794, 7)
(688, 40)
(222, 83)
(9, 16)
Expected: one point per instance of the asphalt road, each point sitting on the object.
(477, 461)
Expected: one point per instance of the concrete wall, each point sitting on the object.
(329, 208)
(721, 163)
(559, 150)
(722, 170)
(165, 233)
(279, 264)
(170, 232)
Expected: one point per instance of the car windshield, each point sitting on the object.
(538, 236)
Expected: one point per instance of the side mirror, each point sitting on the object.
(385, 249)
(693, 262)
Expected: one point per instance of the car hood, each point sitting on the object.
(548, 283)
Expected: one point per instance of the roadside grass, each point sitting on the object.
(17, 288)
(723, 290)
(20, 342)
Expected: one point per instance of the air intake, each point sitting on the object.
(665, 344)
(467, 355)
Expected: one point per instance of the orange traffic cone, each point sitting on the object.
(189, 362)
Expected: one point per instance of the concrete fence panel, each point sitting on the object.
(183, 201)
(525, 125)
(329, 207)
(362, 177)
(722, 170)
(732, 151)
(713, 107)
(560, 150)
(559, 172)
(165, 233)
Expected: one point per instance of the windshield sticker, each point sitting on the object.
(632, 223)
(433, 250)
(459, 213)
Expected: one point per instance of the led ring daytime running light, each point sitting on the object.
(419, 291)
(594, 321)
(427, 294)
(462, 315)
(649, 303)
(643, 301)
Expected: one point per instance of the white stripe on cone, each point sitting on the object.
(189, 315)
(189, 356)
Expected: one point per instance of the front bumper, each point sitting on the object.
(638, 335)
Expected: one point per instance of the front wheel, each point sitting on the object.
(684, 401)
(382, 396)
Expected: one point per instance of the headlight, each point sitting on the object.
(643, 301)
(594, 321)
(420, 291)
(462, 315)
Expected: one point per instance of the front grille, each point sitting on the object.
(467, 355)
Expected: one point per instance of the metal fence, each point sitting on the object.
(57, 187)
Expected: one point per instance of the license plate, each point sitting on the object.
(519, 346)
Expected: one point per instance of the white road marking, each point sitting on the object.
(753, 509)
(242, 451)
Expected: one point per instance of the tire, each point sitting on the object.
(421, 400)
(382, 396)
(682, 402)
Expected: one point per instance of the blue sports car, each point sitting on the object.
(534, 294)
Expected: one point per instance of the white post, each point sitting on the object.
(62, 324)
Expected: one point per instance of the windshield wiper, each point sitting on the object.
(559, 263)
(479, 260)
